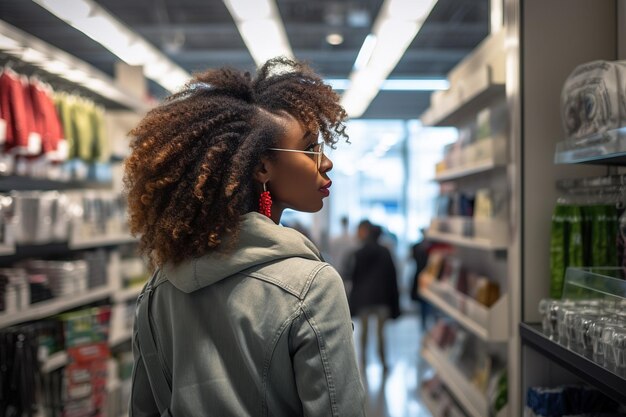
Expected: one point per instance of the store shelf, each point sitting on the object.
(486, 234)
(607, 148)
(490, 324)
(6, 250)
(127, 294)
(603, 379)
(468, 396)
(105, 240)
(21, 183)
(13, 254)
(54, 306)
(121, 337)
(55, 361)
(475, 83)
(468, 242)
(484, 93)
(433, 406)
(466, 171)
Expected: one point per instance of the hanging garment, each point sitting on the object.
(63, 103)
(13, 110)
(101, 151)
(46, 117)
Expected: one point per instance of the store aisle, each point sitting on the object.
(396, 394)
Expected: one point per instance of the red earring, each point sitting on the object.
(265, 202)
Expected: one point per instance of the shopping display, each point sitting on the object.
(438, 400)
(40, 217)
(50, 134)
(590, 319)
(466, 280)
(592, 99)
(69, 273)
(585, 235)
(78, 390)
(480, 367)
(594, 328)
(447, 276)
(570, 400)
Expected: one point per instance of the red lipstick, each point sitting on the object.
(325, 189)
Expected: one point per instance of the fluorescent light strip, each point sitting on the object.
(261, 28)
(415, 84)
(365, 53)
(396, 26)
(95, 22)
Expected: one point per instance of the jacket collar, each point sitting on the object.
(260, 241)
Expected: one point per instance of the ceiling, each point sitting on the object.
(197, 34)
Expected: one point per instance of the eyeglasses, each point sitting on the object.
(318, 151)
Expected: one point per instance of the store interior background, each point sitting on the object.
(515, 55)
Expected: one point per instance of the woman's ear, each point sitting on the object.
(262, 171)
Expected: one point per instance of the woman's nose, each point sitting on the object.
(327, 164)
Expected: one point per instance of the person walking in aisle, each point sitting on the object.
(374, 287)
(340, 248)
(243, 316)
(419, 253)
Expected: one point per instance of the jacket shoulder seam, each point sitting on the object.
(299, 293)
(310, 278)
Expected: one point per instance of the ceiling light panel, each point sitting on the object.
(396, 26)
(261, 28)
(95, 22)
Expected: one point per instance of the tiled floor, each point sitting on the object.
(395, 394)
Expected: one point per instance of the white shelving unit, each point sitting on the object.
(469, 396)
(484, 155)
(54, 306)
(490, 324)
(484, 92)
(437, 408)
(97, 241)
(430, 404)
(468, 242)
(6, 250)
(127, 294)
(466, 171)
(476, 83)
(121, 337)
(488, 234)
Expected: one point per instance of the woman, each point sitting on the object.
(247, 319)
(374, 287)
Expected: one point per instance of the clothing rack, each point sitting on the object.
(56, 83)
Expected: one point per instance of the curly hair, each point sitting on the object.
(189, 177)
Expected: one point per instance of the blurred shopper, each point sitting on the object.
(374, 287)
(419, 253)
(241, 318)
(340, 248)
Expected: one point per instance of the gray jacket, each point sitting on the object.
(263, 331)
